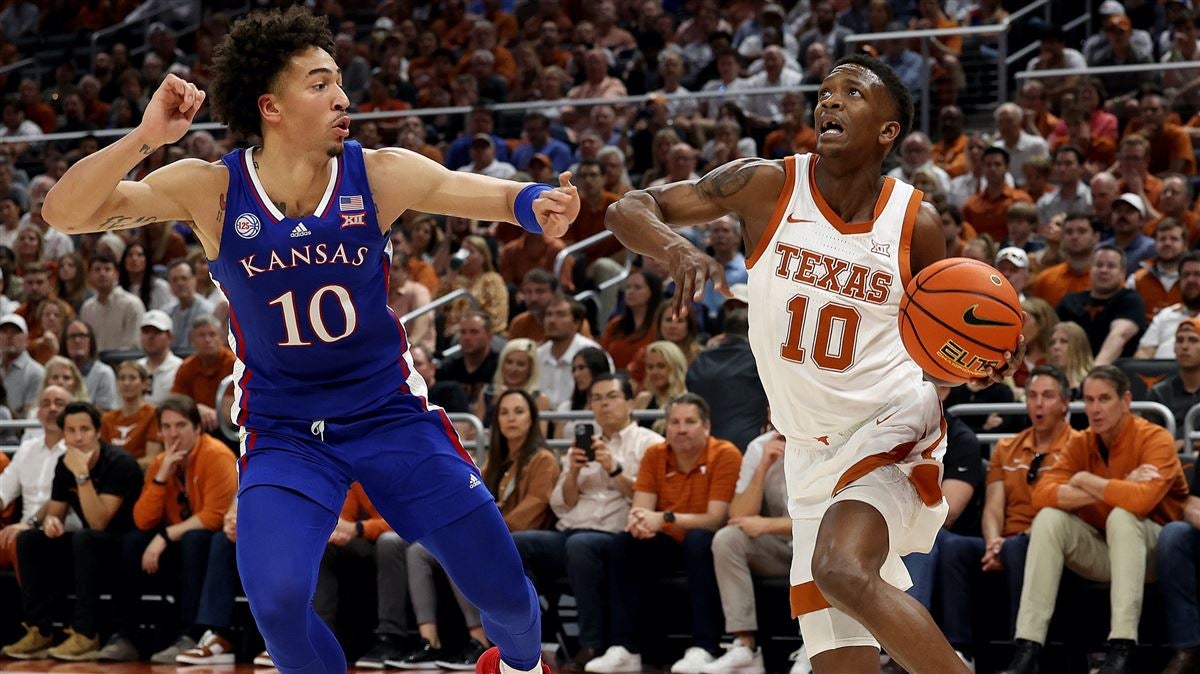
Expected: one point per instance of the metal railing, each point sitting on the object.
(127, 22)
(1106, 70)
(18, 427)
(1191, 434)
(561, 259)
(1012, 409)
(439, 303)
(480, 444)
(224, 423)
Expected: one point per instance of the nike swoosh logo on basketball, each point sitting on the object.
(970, 318)
(880, 421)
(795, 220)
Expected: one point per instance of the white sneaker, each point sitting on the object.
(800, 662)
(738, 659)
(615, 659)
(970, 663)
(693, 661)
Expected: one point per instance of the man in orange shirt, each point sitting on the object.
(188, 488)
(987, 211)
(1175, 201)
(1133, 163)
(1008, 510)
(200, 374)
(1100, 509)
(526, 253)
(1079, 237)
(1158, 279)
(950, 152)
(680, 499)
(1170, 145)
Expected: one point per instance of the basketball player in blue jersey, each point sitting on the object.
(862, 427)
(297, 232)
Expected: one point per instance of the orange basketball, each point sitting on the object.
(958, 317)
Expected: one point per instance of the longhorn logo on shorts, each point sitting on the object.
(247, 225)
(352, 203)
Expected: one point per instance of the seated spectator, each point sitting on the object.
(98, 377)
(1018, 143)
(1038, 118)
(133, 426)
(363, 544)
(1074, 274)
(725, 239)
(1176, 562)
(1119, 51)
(950, 153)
(794, 135)
(475, 365)
(538, 286)
(35, 283)
(204, 282)
(484, 162)
(681, 165)
(726, 145)
(30, 247)
(159, 361)
(538, 139)
(418, 269)
(681, 498)
(766, 110)
(135, 276)
(633, 328)
(521, 473)
(556, 355)
(186, 492)
(952, 230)
(589, 363)
(1157, 281)
(1072, 195)
(1133, 158)
(481, 120)
(974, 180)
(1128, 216)
(200, 374)
(1100, 509)
(114, 313)
(99, 484)
(726, 377)
(449, 395)
(666, 379)
(684, 331)
(597, 83)
(616, 175)
(1170, 145)
(1053, 55)
(517, 368)
(476, 274)
(62, 371)
(1105, 190)
(1181, 391)
(1013, 264)
(1014, 467)
(591, 501)
(1175, 201)
(916, 154)
(1037, 177)
(52, 315)
(186, 305)
(1071, 353)
(987, 211)
(406, 295)
(1040, 321)
(1112, 315)
(756, 542)
(30, 474)
(532, 251)
(1158, 340)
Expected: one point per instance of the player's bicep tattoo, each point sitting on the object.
(125, 222)
(728, 180)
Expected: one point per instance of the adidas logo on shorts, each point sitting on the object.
(474, 481)
(300, 231)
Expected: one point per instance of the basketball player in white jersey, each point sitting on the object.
(833, 244)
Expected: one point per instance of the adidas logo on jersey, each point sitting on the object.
(474, 481)
(300, 231)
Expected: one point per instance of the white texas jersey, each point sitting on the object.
(824, 299)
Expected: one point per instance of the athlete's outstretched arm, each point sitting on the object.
(401, 180)
(92, 196)
(642, 220)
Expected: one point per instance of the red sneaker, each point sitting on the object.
(489, 663)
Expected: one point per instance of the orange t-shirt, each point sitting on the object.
(358, 508)
(212, 479)
(1010, 463)
(590, 222)
(1151, 185)
(422, 272)
(989, 215)
(622, 347)
(1173, 143)
(1138, 442)
(130, 433)
(517, 257)
(1188, 220)
(199, 381)
(1056, 282)
(952, 158)
(1154, 295)
(713, 478)
(7, 512)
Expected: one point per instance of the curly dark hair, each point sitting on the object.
(902, 100)
(253, 54)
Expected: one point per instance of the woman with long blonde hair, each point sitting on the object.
(1071, 352)
(1040, 319)
(517, 368)
(666, 374)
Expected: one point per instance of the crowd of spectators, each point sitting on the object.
(1079, 191)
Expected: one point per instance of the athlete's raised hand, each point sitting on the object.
(556, 209)
(691, 269)
(171, 110)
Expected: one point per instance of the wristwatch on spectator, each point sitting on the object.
(669, 517)
(81, 480)
(617, 471)
(358, 529)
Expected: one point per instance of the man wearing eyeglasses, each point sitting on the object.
(188, 487)
(1008, 510)
(592, 500)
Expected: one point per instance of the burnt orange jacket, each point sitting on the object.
(212, 480)
(1138, 442)
(358, 508)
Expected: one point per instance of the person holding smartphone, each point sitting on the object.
(592, 500)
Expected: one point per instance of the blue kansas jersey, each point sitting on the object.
(308, 319)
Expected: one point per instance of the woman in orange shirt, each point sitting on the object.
(132, 426)
(632, 330)
(683, 331)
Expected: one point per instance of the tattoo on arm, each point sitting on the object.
(221, 208)
(125, 222)
(145, 149)
(727, 181)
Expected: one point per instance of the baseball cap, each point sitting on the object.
(774, 8)
(385, 24)
(157, 319)
(1014, 256)
(1192, 324)
(1111, 7)
(541, 158)
(741, 293)
(1133, 200)
(13, 319)
(481, 139)
(1118, 22)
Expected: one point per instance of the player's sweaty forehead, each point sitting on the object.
(856, 73)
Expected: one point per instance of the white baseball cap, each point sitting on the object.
(1111, 8)
(1133, 200)
(13, 319)
(741, 293)
(157, 319)
(1014, 256)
